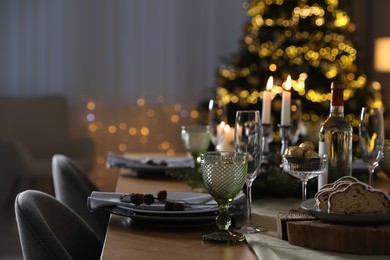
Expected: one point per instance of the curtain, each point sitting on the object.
(141, 64)
(116, 51)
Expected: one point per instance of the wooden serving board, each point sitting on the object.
(290, 216)
(319, 235)
(301, 229)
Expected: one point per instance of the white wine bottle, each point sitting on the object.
(335, 138)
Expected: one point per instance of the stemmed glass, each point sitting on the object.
(371, 138)
(248, 139)
(224, 175)
(217, 119)
(196, 140)
(305, 168)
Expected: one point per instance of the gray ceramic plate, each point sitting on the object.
(160, 164)
(350, 219)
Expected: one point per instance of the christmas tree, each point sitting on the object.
(307, 39)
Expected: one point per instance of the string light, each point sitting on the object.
(139, 134)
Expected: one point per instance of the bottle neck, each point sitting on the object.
(336, 111)
(337, 101)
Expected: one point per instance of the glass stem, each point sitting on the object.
(371, 170)
(223, 220)
(249, 200)
(196, 157)
(304, 183)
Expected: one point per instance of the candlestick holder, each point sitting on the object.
(284, 137)
(267, 138)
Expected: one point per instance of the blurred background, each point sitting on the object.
(126, 67)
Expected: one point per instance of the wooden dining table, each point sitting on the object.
(125, 239)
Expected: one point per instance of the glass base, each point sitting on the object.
(223, 236)
(250, 228)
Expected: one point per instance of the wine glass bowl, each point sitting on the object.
(305, 168)
(217, 120)
(371, 138)
(196, 139)
(224, 175)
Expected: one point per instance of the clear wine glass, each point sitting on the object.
(248, 139)
(305, 168)
(224, 175)
(196, 140)
(217, 119)
(371, 138)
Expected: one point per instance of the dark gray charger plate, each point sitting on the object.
(191, 221)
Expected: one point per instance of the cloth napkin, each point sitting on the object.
(111, 199)
(267, 246)
(118, 160)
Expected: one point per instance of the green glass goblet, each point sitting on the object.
(196, 140)
(224, 175)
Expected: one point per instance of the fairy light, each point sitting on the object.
(91, 105)
(122, 126)
(174, 118)
(111, 129)
(140, 102)
(132, 131)
(92, 127)
(194, 114)
(144, 131)
(122, 148)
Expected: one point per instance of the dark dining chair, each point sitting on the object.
(72, 187)
(50, 230)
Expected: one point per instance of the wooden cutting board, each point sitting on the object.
(319, 235)
(304, 230)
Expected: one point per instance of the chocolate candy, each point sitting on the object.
(294, 151)
(307, 146)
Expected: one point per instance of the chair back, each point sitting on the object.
(50, 230)
(72, 187)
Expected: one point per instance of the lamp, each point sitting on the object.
(382, 54)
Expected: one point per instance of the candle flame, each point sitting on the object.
(226, 128)
(270, 83)
(288, 83)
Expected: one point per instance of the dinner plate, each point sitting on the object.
(166, 222)
(156, 216)
(196, 203)
(192, 208)
(343, 218)
(155, 164)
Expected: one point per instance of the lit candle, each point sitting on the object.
(227, 144)
(221, 130)
(266, 111)
(286, 104)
